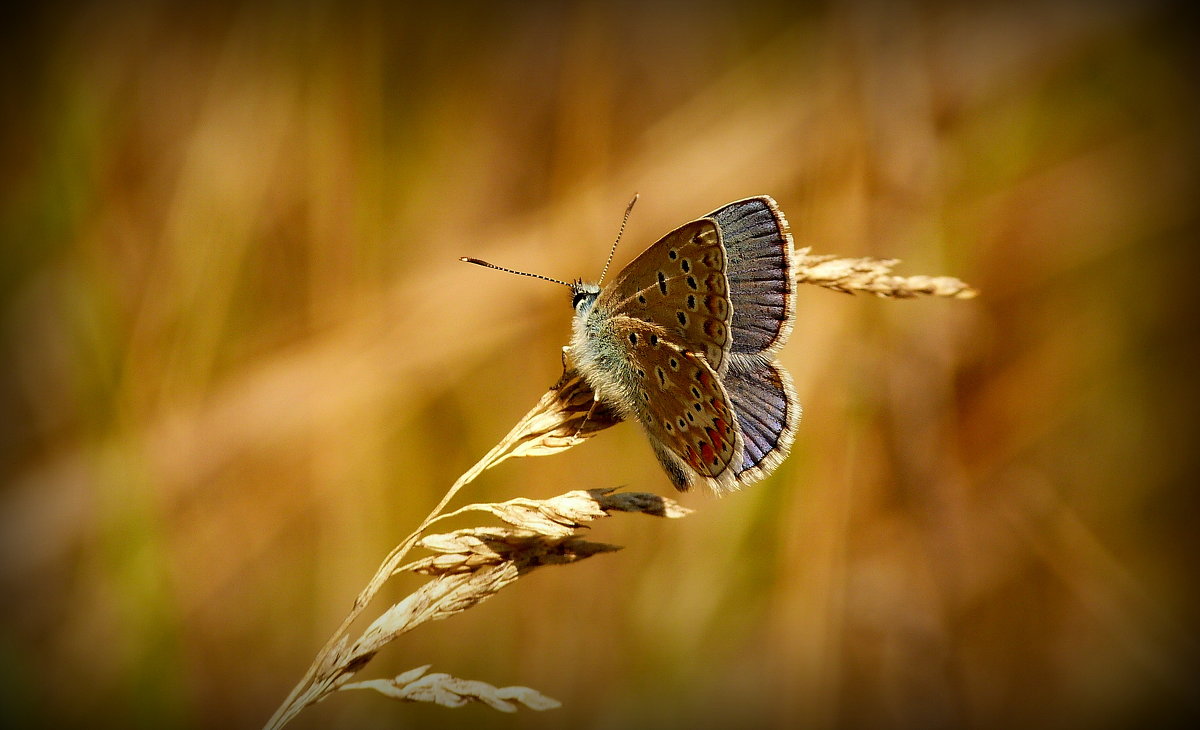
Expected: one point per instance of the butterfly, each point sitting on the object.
(684, 339)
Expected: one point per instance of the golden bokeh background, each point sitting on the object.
(242, 360)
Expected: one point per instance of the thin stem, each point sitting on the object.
(311, 688)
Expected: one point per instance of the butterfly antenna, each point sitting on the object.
(628, 210)
(479, 262)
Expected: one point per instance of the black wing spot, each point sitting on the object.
(682, 317)
(695, 390)
(691, 280)
(696, 406)
(654, 340)
(662, 283)
(633, 338)
(642, 373)
(691, 302)
(667, 425)
(691, 418)
(682, 423)
(685, 265)
(674, 364)
(673, 254)
(642, 298)
(662, 376)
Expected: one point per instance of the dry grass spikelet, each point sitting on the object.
(443, 689)
(468, 550)
(467, 567)
(874, 276)
(566, 415)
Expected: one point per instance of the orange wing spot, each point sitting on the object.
(704, 378)
(713, 328)
(690, 458)
(722, 427)
(706, 451)
(715, 282)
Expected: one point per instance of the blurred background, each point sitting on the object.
(241, 360)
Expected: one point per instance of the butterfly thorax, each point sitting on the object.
(597, 353)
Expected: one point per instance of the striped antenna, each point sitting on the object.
(628, 210)
(479, 262)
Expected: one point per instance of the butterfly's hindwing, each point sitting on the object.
(767, 411)
(758, 248)
(680, 284)
(682, 404)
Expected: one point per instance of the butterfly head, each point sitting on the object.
(583, 296)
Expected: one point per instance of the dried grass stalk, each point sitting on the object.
(468, 550)
(468, 567)
(443, 689)
(874, 276)
(471, 565)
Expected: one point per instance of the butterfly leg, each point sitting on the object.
(588, 416)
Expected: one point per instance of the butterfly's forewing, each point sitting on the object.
(759, 267)
(682, 405)
(679, 283)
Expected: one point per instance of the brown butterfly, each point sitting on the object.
(684, 342)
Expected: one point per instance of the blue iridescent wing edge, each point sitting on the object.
(768, 413)
(761, 273)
